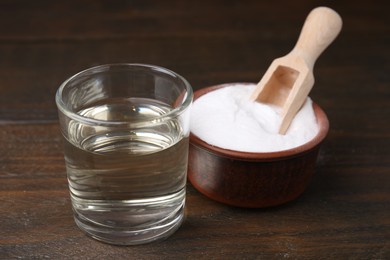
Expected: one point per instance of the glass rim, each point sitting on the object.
(187, 99)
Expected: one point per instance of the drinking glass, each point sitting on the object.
(126, 132)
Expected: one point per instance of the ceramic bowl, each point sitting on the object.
(253, 180)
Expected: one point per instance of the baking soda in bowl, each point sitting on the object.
(227, 118)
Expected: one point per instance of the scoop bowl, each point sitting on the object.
(253, 180)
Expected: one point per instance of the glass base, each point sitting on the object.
(131, 237)
(130, 222)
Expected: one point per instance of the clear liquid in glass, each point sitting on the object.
(127, 186)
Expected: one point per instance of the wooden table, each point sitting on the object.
(345, 212)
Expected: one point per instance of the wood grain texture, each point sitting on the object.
(344, 213)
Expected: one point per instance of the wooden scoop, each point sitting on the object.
(289, 79)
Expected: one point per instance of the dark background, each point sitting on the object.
(345, 213)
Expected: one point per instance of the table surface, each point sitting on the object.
(344, 213)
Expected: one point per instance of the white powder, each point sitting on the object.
(228, 119)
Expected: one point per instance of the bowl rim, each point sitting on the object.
(321, 117)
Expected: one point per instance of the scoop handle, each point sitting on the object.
(321, 27)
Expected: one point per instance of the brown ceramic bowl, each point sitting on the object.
(253, 180)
